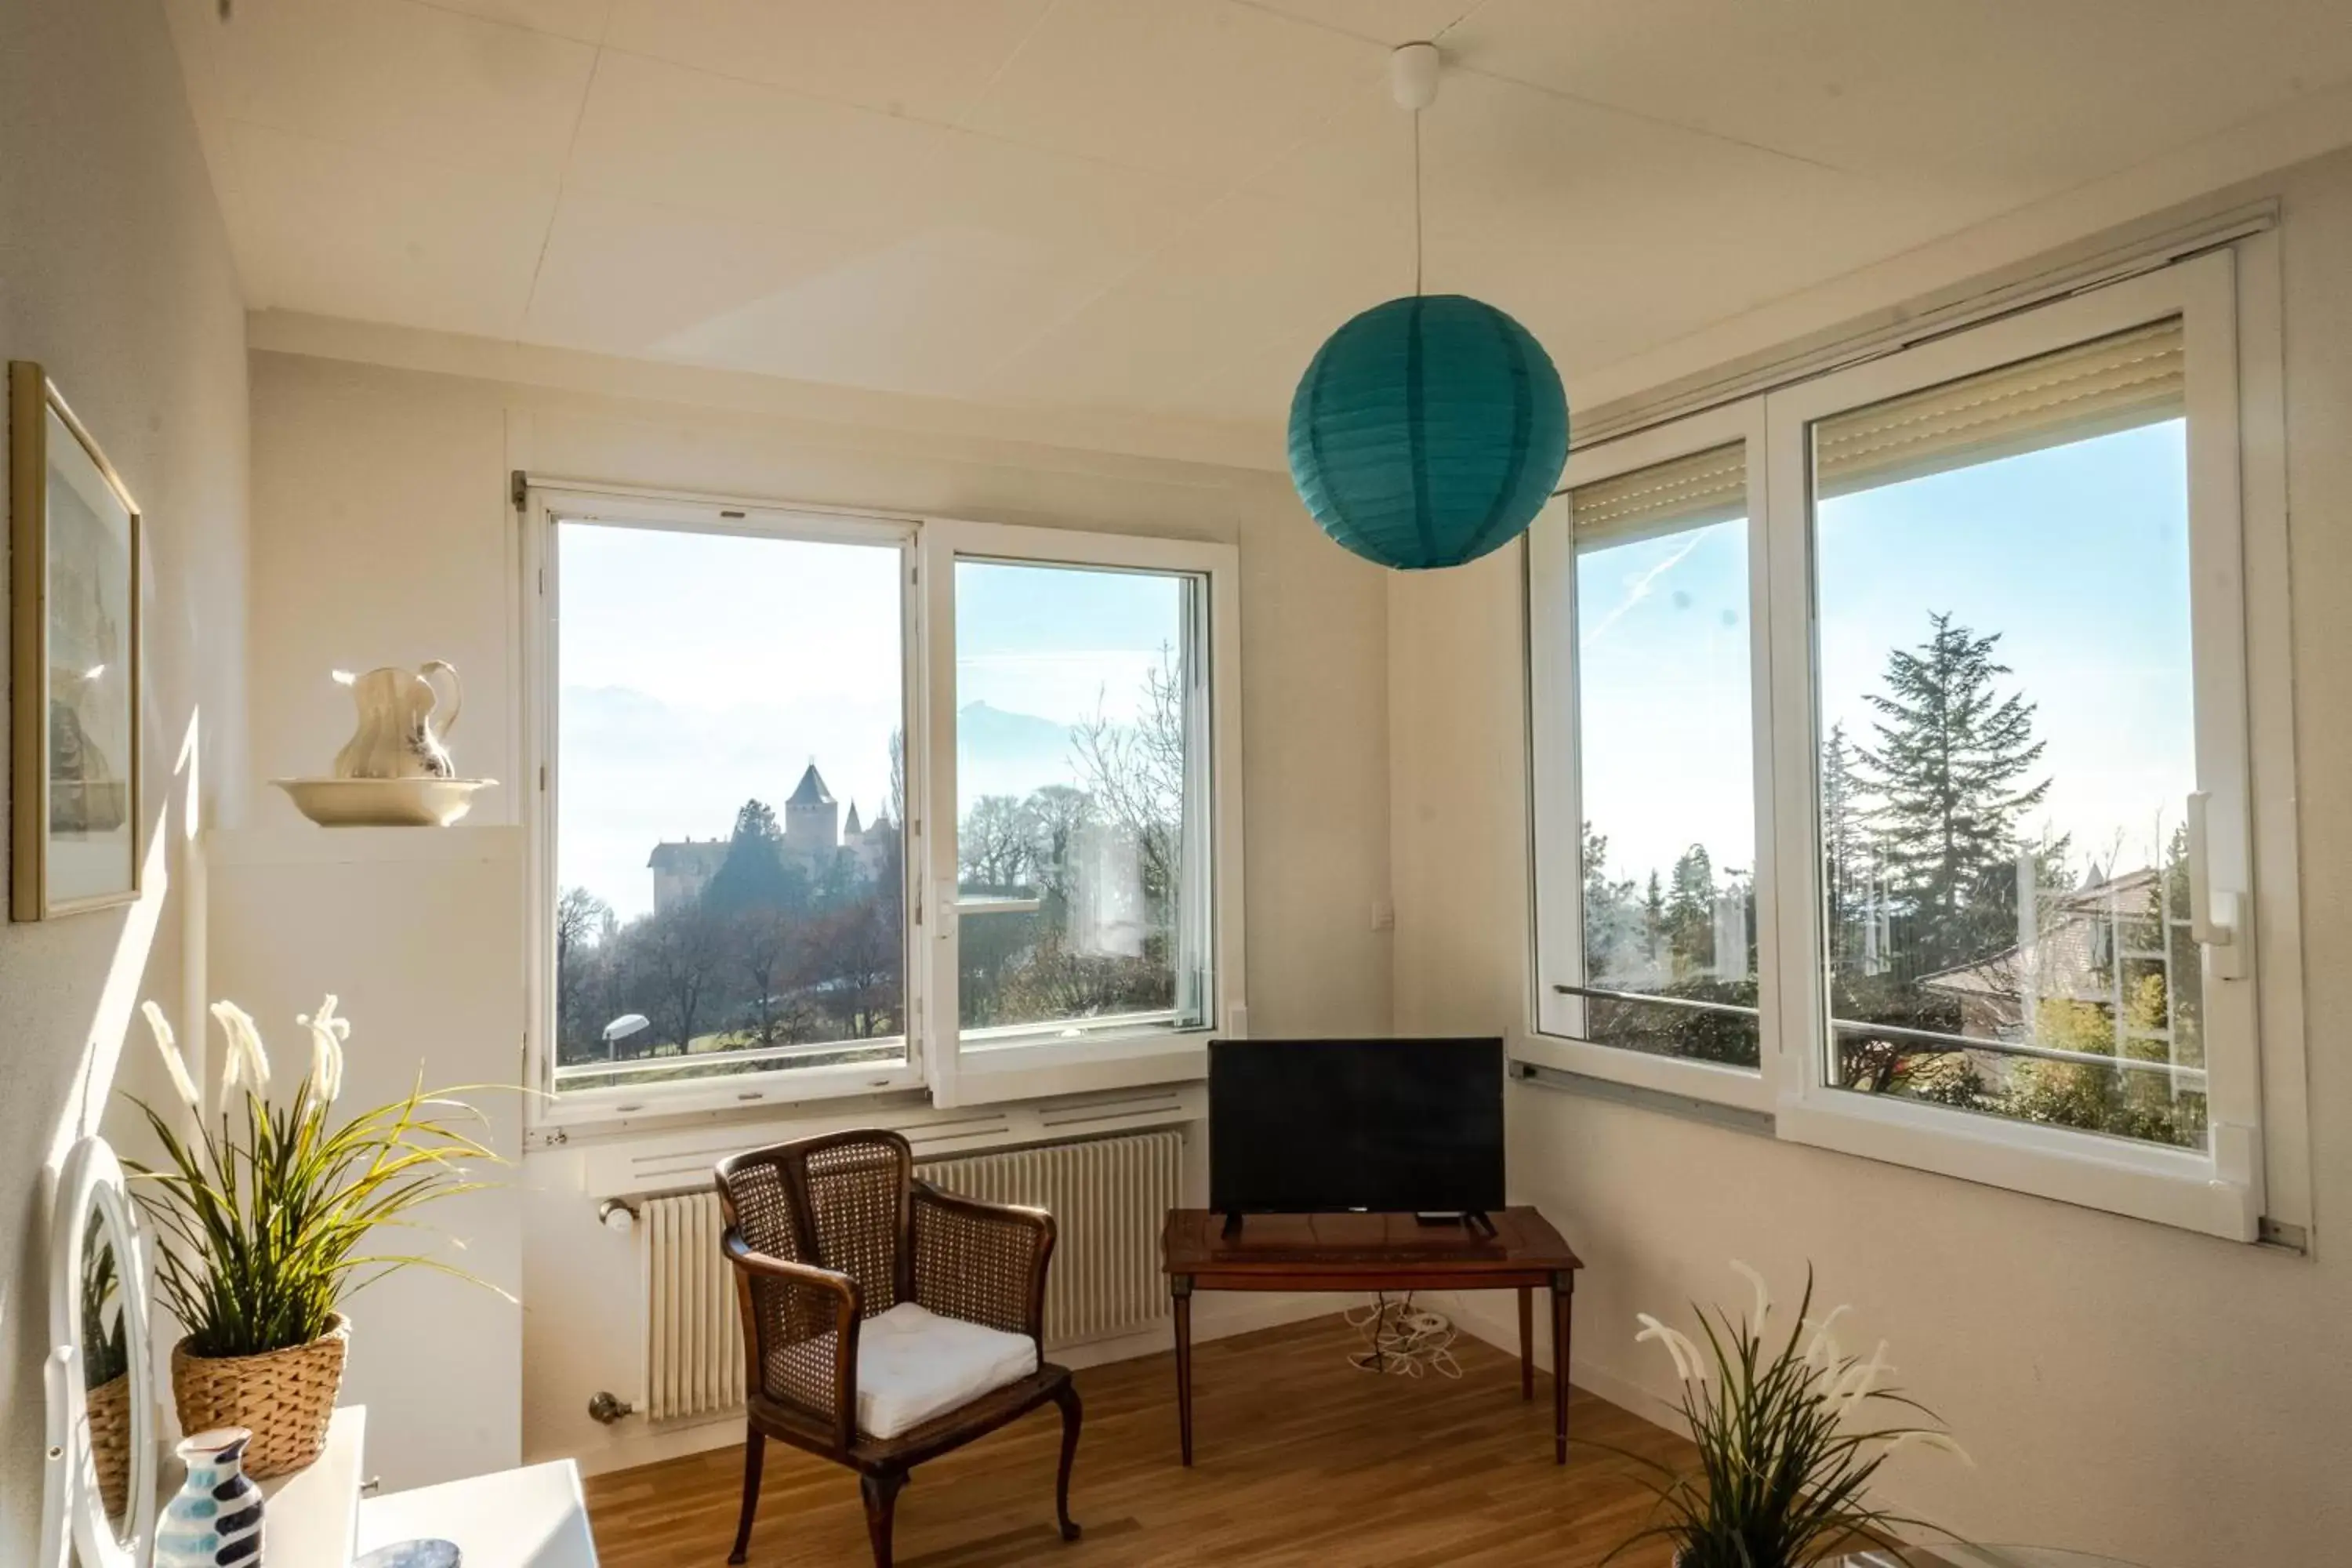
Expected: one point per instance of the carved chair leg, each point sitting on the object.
(1067, 1396)
(755, 1447)
(881, 1504)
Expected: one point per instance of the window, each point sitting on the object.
(2000, 580)
(745, 718)
(1978, 900)
(1667, 793)
(1646, 651)
(729, 877)
(1087, 737)
(1079, 790)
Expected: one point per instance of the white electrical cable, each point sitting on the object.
(1402, 1339)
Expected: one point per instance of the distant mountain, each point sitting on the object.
(1002, 752)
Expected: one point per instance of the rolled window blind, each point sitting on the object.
(1665, 498)
(2117, 383)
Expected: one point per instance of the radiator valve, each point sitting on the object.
(608, 1407)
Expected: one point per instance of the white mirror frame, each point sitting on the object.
(73, 1518)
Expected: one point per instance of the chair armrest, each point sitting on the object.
(788, 1308)
(984, 1263)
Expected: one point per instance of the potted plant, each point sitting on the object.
(264, 1215)
(106, 1371)
(1790, 1436)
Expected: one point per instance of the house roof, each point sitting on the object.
(691, 854)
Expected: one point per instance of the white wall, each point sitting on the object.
(2163, 1396)
(382, 534)
(115, 274)
(418, 935)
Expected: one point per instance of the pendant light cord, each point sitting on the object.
(1416, 201)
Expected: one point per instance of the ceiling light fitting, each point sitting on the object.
(1430, 430)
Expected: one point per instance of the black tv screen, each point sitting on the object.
(1323, 1126)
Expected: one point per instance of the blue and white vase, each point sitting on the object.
(215, 1520)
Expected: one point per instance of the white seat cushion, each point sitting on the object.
(913, 1365)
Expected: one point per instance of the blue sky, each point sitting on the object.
(2076, 554)
(699, 670)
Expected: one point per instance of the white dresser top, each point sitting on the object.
(528, 1517)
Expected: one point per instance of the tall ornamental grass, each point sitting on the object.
(269, 1213)
(1789, 1438)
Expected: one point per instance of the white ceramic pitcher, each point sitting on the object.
(403, 721)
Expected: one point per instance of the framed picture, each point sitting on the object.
(74, 656)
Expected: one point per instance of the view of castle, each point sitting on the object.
(813, 836)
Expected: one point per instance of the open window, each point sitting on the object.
(830, 805)
(1084, 745)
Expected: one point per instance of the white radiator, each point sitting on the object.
(694, 1342)
(1107, 1197)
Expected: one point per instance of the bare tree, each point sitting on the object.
(680, 953)
(859, 953)
(1053, 817)
(1135, 772)
(764, 944)
(993, 843)
(899, 779)
(580, 918)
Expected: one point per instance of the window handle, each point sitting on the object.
(2218, 936)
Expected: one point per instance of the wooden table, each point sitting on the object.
(1363, 1252)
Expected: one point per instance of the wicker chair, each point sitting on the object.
(827, 1232)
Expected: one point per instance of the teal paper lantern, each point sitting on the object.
(1427, 432)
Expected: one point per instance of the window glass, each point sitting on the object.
(2004, 662)
(729, 877)
(1665, 759)
(1081, 770)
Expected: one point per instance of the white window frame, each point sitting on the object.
(546, 506)
(1104, 1059)
(1558, 1039)
(2255, 1165)
(1112, 1058)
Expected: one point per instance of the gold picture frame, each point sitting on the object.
(76, 686)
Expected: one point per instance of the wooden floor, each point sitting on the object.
(1301, 1459)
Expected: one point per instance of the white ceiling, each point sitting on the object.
(1159, 206)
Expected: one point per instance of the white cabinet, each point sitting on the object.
(527, 1518)
(420, 932)
(530, 1518)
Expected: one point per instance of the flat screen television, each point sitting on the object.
(1327, 1126)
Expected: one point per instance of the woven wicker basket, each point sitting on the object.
(285, 1398)
(109, 1443)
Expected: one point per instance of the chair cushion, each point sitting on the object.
(914, 1365)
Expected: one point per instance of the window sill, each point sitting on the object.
(1743, 1088)
(646, 1158)
(1050, 1067)
(2178, 1187)
(620, 1107)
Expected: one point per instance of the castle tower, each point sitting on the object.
(811, 820)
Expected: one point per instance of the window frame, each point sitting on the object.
(933, 1063)
(2227, 301)
(1111, 1058)
(1556, 1035)
(548, 506)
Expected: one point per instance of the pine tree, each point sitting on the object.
(1612, 917)
(1653, 920)
(1690, 913)
(1948, 770)
(1846, 872)
(752, 874)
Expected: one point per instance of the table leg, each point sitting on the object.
(1563, 1288)
(1527, 1342)
(1181, 1287)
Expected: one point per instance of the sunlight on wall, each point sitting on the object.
(126, 972)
